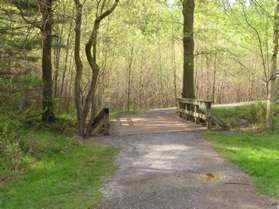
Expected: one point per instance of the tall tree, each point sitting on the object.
(273, 74)
(28, 11)
(45, 7)
(86, 111)
(188, 45)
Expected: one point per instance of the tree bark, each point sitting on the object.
(129, 71)
(69, 39)
(214, 78)
(57, 56)
(79, 69)
(188, 45)
(273, 76)
(46, 31)
(174, 66)
(86, 111)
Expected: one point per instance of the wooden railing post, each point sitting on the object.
(208, 115)
(107, 121)
(101, 122)
(195, 110)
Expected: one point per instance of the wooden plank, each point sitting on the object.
(101, 122)
(194, 114)
(193, 101)
(195, 109)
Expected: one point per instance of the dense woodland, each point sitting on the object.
(75, 57)
(139, 52)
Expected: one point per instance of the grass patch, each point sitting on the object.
(255, 154)
(115, 114)
(57, 172)
(250, 115)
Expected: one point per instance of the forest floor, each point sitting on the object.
(165, 163)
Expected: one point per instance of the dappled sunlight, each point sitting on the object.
(168, 147)
(161, 156)
(256, 154)
(152, 122)
(43, 165)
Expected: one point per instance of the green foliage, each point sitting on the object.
(24, 4)
(18, 142)
(38, 144)
(18, 40)
(19, 98)
(22, 135)
(64, 124)
(253, 114)
(256, 154)
(11, 155)
(115, 114)
(70, 178)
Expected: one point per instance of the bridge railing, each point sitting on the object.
(198, 111)
(101, 122)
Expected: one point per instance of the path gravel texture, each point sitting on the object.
(165, 163)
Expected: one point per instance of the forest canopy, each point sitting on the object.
(138, 51)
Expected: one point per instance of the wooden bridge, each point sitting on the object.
(199, 111)
(190, 115)
(153, 121)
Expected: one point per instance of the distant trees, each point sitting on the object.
(134, 56)
(188, 45)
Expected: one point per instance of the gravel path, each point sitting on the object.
(175, 169)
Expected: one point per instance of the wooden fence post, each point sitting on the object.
(208, 115)
(107, 121)
(195, 110)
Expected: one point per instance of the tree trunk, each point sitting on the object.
(57, 56)
(188, 44)
(129, 71)
(79, 69)
(46, 30)
(68, 42)
(174, 66)
(273, 76)
(86, 110)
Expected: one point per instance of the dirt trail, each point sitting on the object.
(165, 164)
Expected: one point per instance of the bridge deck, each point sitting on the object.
(155, 121)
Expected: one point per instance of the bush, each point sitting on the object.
(10, 151)
(248, 115)
(39, 143)
(19, 145)
(20, 92)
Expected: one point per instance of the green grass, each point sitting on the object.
(115, 114)
(58, 173)
(255, 154)
(254, 114)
